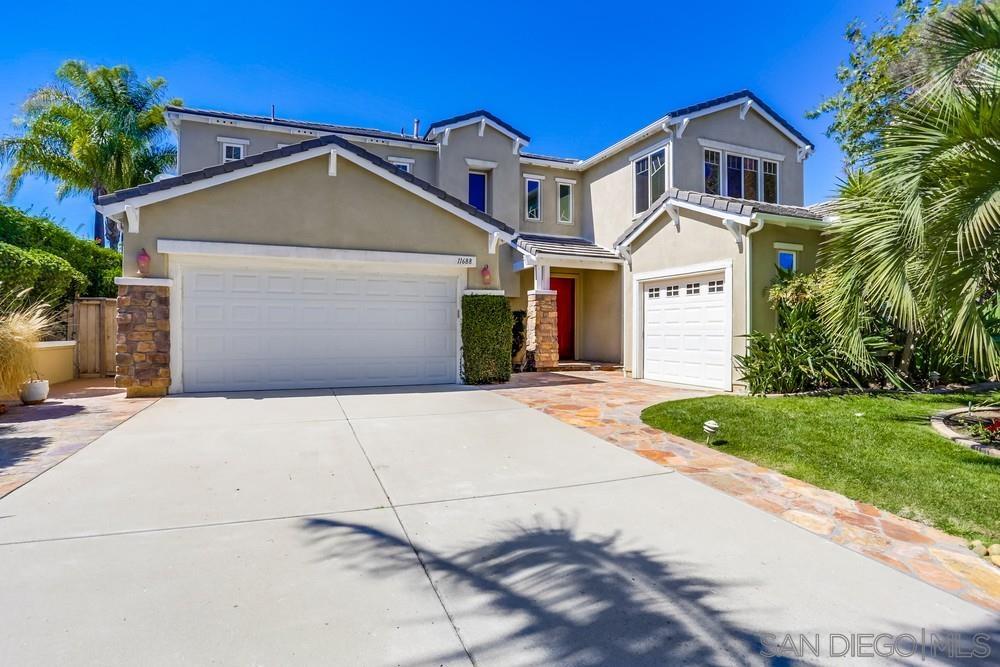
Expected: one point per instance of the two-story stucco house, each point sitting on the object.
(293, 254)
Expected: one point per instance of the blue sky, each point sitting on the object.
(575, 77)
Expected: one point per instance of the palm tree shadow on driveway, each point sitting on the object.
(580, 600)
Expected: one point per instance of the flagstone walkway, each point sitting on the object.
(607, 405)
(33, 438)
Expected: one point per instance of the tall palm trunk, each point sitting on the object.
(98, 220)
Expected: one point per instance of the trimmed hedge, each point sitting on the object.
(50, 278)
(486, 339)
(100, 266)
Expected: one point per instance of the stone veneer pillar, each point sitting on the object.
(142, 353)
(542, 329)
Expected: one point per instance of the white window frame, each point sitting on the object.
(240, 147)
(704, 161)
(792, 249)
(571, 184)
(724, 171)
(402, 163)
(486, 188)
(647, 153)
(533, 179)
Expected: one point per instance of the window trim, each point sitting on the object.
(532, 179)
(240, 146)
(402, 163)
(571, 184)
(486, 188)
(788, 251)
(724, 173)
(704, 176)
(667, 176)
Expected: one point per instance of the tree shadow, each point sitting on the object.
(576, 599)
(14, 449)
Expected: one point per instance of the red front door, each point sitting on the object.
(565, 315)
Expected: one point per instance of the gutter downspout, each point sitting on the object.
(626, 254)
(748, 264)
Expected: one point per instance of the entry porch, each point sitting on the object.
(573, 302)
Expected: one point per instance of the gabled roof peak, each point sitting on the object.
(476, 116)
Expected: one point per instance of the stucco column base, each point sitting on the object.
(142, 346)
(542, 329)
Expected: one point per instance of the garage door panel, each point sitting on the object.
(245, 329)
(685, 331)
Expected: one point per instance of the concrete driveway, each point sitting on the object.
(418, 526)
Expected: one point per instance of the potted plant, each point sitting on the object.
(22, 326)
(35, 390)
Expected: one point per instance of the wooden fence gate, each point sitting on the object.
(92, 324)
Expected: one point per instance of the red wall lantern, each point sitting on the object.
(142, 260)
(487, 276)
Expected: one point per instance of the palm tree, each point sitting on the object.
(918, 234)
(96, 130)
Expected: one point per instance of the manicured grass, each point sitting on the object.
(888, 457)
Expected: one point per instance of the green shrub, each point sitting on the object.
(18, 269)
(58, 282)
(487, 338)
(100, 266)
(51, 279)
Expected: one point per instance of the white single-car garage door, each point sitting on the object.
(686, 331)
(279, 328)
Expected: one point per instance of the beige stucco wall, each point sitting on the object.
(700, 239)
(199, 146)
(607, 196)
(765, 259)
(607, 186)
(54, 361)
(752, 132)
(301, 205)
(549, 223)
(503, 181)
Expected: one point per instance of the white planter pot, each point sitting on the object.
(34, 392)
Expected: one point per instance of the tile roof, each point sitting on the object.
(538, 156)
(477, 114)
(570, 246)
(302, 147)
(741, 207)
(301, 124)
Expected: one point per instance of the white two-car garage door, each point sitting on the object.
(686, 331)
(279, 328)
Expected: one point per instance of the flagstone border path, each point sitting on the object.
(607, 405)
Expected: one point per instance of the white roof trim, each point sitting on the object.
(216, 249)
(554, 164)
(180, 190)
(680, 203)
(482, 121)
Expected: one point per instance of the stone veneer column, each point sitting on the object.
(142, 353)
(542, 329)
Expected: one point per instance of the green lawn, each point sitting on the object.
(888, 457)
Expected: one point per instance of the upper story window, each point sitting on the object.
(479, 190)
(233, 149)
(713, 164)
(770, 182)
(746, 177)
(232, 152)
(650, 178)
(565, 201)
(533, 199)
(402, 163)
